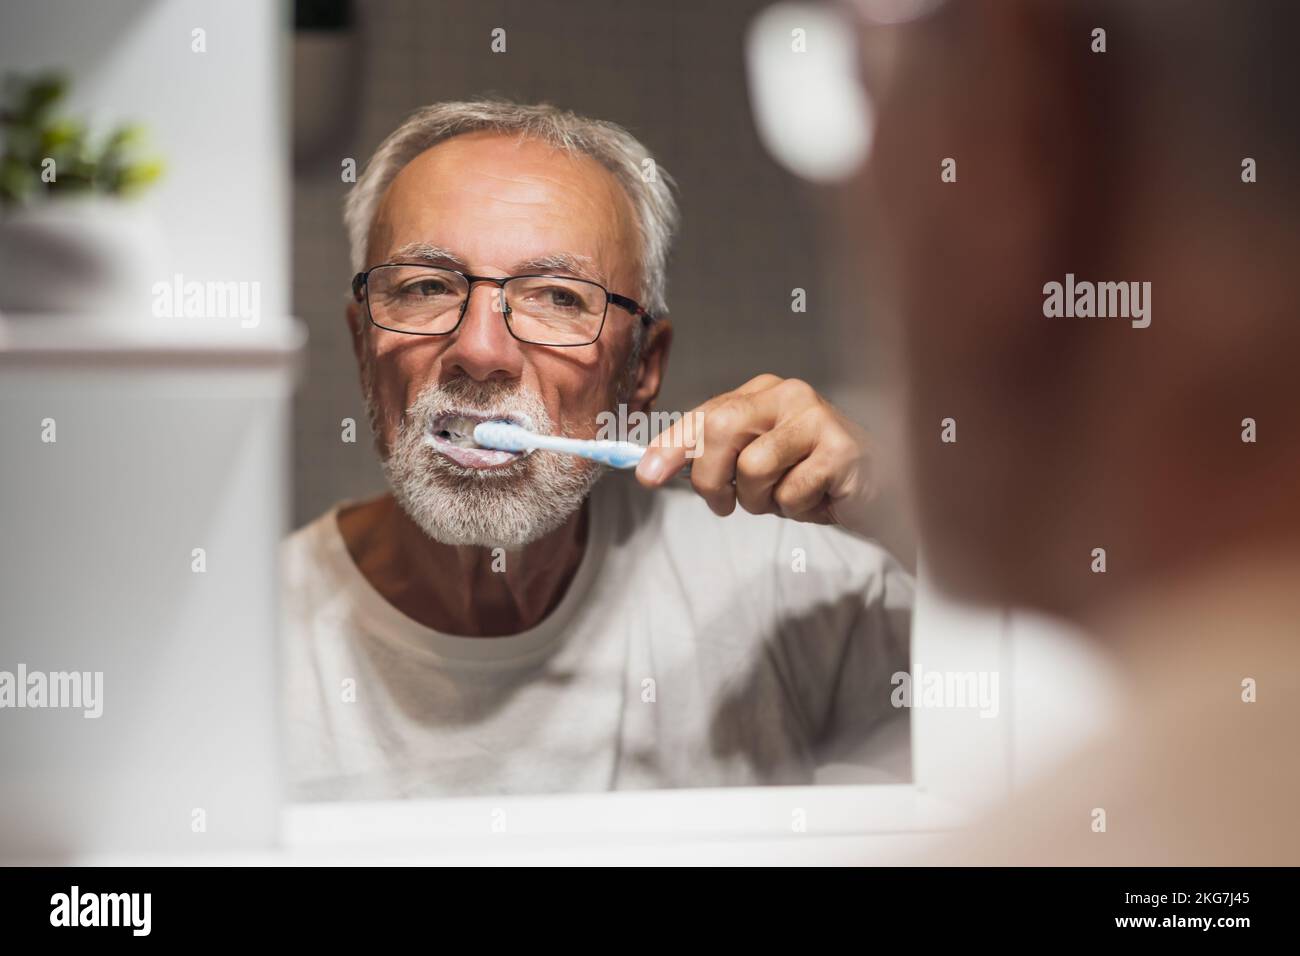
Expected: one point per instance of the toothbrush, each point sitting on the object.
(504, 436)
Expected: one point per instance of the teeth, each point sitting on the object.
(458, 429)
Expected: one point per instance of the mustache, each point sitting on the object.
(484, 398)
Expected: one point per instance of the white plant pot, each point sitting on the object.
(86, 257)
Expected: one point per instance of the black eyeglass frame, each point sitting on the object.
(361, 292)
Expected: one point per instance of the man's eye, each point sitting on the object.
(549, 299)
(425, 288)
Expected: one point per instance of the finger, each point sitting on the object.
(729, 427)
(759, 383)
(663, 458)
(818, 515)
(806, 487)
(766, 460)
(668, 451)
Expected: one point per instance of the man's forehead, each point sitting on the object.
(537, 199)
(572, 263)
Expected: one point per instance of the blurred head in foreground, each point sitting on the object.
(1084, 217)
(1107, 157)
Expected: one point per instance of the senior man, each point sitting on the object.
(501, 623)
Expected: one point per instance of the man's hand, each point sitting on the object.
(787, 450)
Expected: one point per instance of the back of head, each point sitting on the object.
(1100, 300)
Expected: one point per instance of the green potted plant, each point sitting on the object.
(71, 240)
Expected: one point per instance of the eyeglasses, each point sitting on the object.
(557, 311)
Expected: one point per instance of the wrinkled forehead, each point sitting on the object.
(496, 199)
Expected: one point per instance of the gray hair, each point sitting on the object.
(609, 144)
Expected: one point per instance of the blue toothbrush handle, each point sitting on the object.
(624, 454)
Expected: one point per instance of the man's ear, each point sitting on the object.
(651, 367)
(356, 325)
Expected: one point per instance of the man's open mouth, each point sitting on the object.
(452, 434)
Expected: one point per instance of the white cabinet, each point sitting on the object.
(119, 461)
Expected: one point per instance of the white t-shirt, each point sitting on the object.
(688, 650)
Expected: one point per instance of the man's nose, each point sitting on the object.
(482, 347)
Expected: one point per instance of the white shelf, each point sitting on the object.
(69, 339)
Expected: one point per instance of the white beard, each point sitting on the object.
(506, 507)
